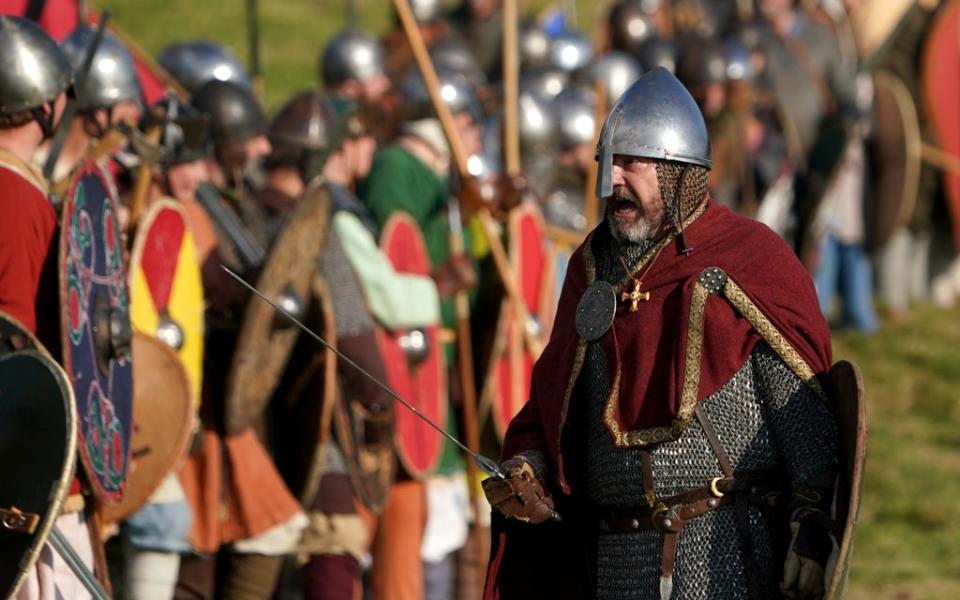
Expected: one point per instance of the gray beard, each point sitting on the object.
(636, 233)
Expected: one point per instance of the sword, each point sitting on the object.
(485, 464)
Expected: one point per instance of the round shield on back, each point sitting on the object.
(896, 153)
(298, 420)
(95, 324)
(417, 377)
(266, 337)
(508, 383)
(166, 292)
(38, 448)
(162, 422)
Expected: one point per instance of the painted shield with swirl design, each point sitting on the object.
(95, 327)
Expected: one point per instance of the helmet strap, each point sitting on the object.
(43, 115)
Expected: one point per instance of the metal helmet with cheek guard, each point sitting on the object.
(113, 76)
(351, 55)
(35, 69)
(655, 118)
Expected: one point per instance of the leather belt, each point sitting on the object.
(669, 515)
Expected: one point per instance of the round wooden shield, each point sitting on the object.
(850, 411)
(896, 152)
(162, 421)
(95, 323)
(298, 419)
(941, 92)
(508, 382)
(267, 338)
(166, 292)
(425, 385)
(38, 448)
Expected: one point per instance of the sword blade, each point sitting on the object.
(485, 464)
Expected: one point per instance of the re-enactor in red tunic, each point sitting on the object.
(28, 251)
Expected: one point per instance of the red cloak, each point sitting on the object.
(679, 347)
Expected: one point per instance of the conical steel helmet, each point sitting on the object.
(112, 78)
(655, 118)
(351, 55)
(35, 69)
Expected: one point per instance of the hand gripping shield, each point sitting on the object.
(38, 446)
(266, 340)
(96, 333)
(418, 377)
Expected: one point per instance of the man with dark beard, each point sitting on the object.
(676, 421)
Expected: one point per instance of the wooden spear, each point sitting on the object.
(460, 161)
(461, 302)
(511, 91)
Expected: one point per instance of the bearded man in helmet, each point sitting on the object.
(677, 421)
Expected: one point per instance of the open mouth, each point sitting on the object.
(623, 209)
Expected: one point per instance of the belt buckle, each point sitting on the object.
(714, 490)
(665, 518)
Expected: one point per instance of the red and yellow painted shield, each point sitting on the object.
(424, 385)
(165, 287)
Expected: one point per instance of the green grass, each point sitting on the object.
(908, 545)
(292, 32)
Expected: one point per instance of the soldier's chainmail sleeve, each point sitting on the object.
(348, 303)
(804, 430)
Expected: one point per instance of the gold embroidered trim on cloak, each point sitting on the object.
(768, 331)
(691, 384)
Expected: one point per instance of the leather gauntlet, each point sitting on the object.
(811, 548)
(521, 496)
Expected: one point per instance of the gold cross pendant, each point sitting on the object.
(635, 297)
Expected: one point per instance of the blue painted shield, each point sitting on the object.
(95, 323)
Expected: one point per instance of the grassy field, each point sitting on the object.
(292, 32)
(908, 546)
